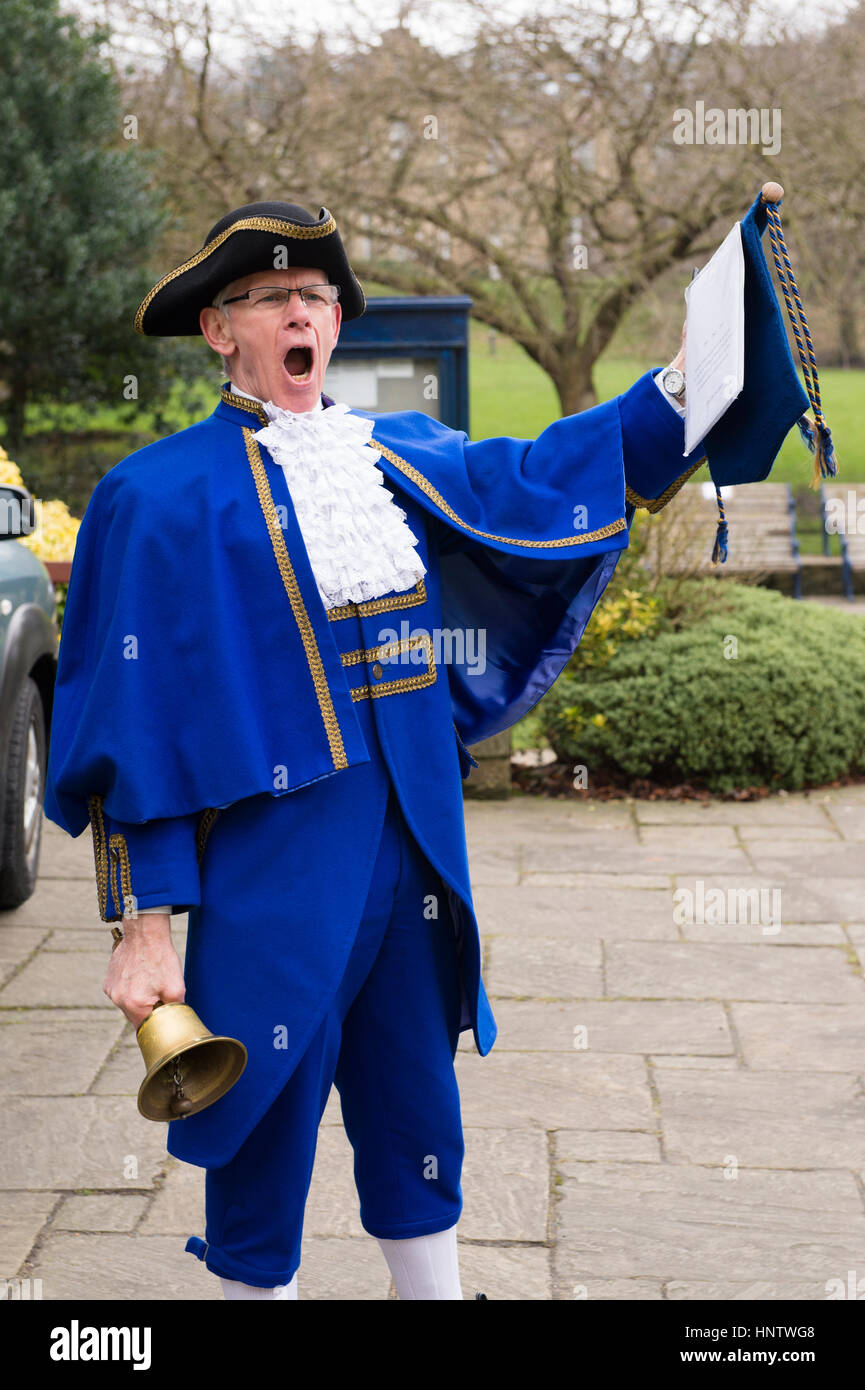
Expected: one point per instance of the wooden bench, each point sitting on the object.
(762, 532)
(843, 513)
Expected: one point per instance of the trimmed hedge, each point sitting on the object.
(786, 710)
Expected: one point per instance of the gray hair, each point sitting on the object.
(218, 302)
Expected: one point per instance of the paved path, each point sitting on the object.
(673, 1109)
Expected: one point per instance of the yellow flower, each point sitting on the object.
(10, 474)
(55, 533)
(56, 529)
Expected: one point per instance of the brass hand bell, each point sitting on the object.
(187, 1067)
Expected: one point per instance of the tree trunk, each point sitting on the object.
(574, 385)
(13, 413)
(848, 333)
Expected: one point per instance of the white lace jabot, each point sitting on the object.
(356, 536)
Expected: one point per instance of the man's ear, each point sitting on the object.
(215, 327)
(338, 308)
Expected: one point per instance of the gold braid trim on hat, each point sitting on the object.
(298, 231)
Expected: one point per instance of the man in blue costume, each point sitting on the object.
(251, 742)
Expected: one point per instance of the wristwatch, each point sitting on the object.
(673, 382)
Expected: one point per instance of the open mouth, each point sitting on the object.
(298, 364)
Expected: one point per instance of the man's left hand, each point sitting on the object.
(679, 360)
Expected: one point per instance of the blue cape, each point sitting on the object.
(197, 657)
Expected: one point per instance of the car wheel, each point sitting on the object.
(22, 799)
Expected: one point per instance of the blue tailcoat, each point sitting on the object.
(205, 720)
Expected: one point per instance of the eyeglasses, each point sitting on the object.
(271, 296)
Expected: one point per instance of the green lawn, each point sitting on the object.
(511, 395)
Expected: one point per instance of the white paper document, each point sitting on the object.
(715, 341)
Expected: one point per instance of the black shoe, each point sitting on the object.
(481, 1295)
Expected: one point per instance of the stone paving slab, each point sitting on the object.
(816, 898)
(551, 1090)
(772, 810)
(659, 1059)
(614, 1026)
(549, 859)
(178, 1207)
(605, 1146)
(22, 1217)
(123, 1072)
(702, 970)
(351, 1268)
(691, 837)
(572, 914)
(535, 967)
(100, 1212)
(31, 1063)
(502, 1272)
(119, 1266)
(93, 939)
(333, 1207)
(767, 932)
(776, 859)
(850, 820)
(65, 979)
(63, 1142)
(17, 945)
(613, 1290)
(693, 1224)
(757, 1117)
(593, 890)
(25, 1016)
(593, 1171)
(67, 858)
(59, 902)
(806, 1037)
(505, 1185)
(790, 836)
(504, 819)
(844, 796)
(492, 866)
(758, 1291)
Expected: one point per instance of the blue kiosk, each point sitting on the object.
(406, 353)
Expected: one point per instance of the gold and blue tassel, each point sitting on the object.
(816, 432)
(719, 550)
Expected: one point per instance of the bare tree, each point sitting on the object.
(534, 166)
(826, 216)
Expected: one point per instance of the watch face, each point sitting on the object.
(674, 381)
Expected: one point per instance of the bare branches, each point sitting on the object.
(526, 159)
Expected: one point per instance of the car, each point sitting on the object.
(29, 643)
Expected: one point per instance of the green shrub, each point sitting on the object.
(786, 710)
(621, 617)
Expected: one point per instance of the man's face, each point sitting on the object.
(276, 352)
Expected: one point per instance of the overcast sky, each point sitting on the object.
(445, 23)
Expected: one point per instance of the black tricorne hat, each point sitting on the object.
(243, 242)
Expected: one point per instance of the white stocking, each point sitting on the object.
(424, 1266)
(234, 1290)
